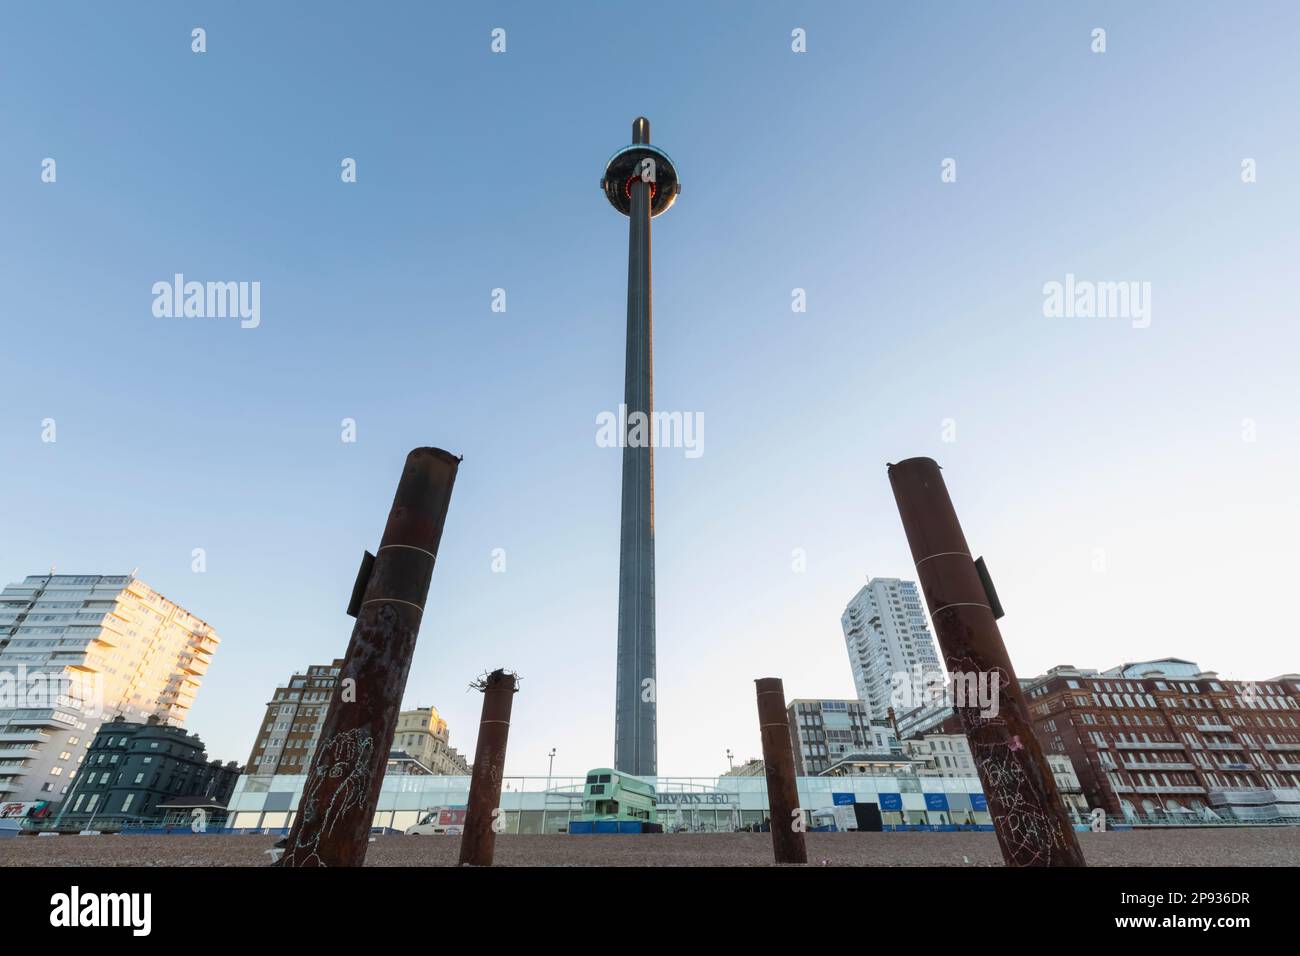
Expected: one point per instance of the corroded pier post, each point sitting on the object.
(481, 819)
(1029, 818)
(778, 761)
(332, 826)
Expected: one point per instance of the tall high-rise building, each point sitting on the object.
(888, 640)
(293, 720)
(640, 182)
(76, 650)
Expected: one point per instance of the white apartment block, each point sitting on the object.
(886, 633)
(943, 755)
(824, 732)
(79, 649)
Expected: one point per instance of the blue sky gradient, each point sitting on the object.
(818, 171)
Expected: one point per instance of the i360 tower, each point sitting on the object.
(640, 182)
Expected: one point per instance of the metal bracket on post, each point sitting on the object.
(994, 604)
(363, 578)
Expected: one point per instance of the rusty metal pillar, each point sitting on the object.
(480, 836)
(778, 761)
(332, 826)
(1029, 817)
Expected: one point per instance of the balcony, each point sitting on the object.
(1246, 796)
(1213, 728)
(1233, 746)
(1286, 765)
(38, 718)
(1143, 765)
(1126, 788)
(24, 736)
(1282, 746)
(1133, 745)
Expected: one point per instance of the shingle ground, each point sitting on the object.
(1262, 846)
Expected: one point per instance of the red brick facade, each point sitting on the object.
(1168, 745)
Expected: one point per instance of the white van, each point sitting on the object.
(440, 820)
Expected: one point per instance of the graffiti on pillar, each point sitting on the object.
(343, 765)
(1029, 832)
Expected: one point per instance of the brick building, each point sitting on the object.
(294, 715)
(1164, 740)
(291, 728)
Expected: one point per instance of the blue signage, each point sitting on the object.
(891, 801)
(977, 802)
(842, 799)
(936, 801)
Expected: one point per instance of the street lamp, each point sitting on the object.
(549, 767)
(729, 756)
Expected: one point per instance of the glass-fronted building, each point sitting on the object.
(546, 805)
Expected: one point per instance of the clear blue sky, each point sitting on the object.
(818, 171)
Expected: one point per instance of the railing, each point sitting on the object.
(1253, 797)
(103, 822)
(1198, 821)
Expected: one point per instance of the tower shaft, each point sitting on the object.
(635, 741)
